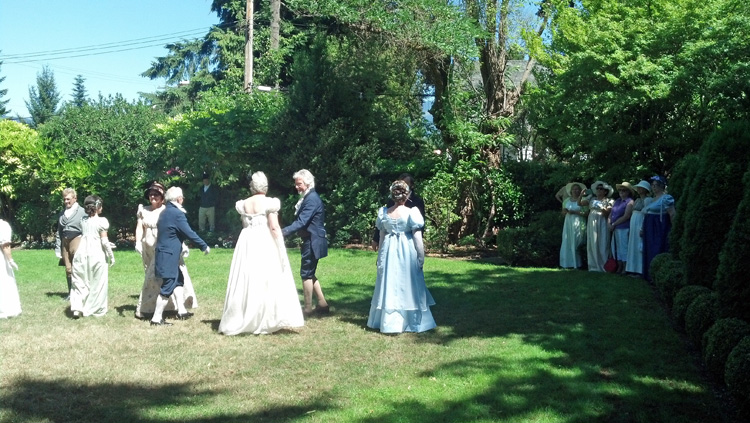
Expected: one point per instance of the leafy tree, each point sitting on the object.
(79, 91)
(44, 98)
(3, 92)
(116, 148)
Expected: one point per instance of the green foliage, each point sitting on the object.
(534, 245)
(719, 341)
(79, 91)
(108, 148)
(732, 283)
(700, 315)
(724, 158)
(44, 98)
(668, 275)
(3, 93)
(679, 187)
(440, 196)
(737, 374)
(683, 299)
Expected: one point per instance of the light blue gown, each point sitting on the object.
(401, 301)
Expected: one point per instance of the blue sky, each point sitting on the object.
(139, 28)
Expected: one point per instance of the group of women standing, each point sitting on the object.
(632, 229)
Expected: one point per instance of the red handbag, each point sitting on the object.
(611, 265)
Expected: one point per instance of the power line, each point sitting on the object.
(99, 49)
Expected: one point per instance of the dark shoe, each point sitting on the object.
(322, 310)
(161, 323)
(307, 314)
(184, 316)
(76, 314)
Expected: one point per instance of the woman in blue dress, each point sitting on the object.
(401, 301)
(657, 222)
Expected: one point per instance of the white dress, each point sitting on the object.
(151, 283)
(261, 294)
(574, 231)
(597, 235)
(10, 302)
(635, 241)
(90, 277)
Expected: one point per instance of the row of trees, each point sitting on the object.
(622, 92)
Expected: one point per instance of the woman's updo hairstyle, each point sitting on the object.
(399, 190)
(91, 204)
(258, 183)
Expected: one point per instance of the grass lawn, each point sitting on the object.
(512, 345)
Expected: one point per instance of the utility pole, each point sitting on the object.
(275, 23)
(249, 46)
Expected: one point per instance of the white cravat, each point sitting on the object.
(299, 202)
(69, 212)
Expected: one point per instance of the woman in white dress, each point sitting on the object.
(574, 228)
(261, 295)
(634, 266)
(597, 230)
(401, 301)
(10, 302)
(145, 241)
(90, 277)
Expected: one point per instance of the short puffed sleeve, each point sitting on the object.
(381, 216)
(5, 232)
(140, 211)
(273, 205)
(416, 220)
(103, 224)
(240, 206)
(668, 201)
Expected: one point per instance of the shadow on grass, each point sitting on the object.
(63, 401)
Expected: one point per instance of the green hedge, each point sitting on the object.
(683, 299)
(737, 374)
(668, 275)
(719, 341)
(700, 315)
(724, 159)
(734, 263)
(535, 245)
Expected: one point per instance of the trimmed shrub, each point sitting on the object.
(683, 299)
(734, 263)
(719, 341)
(535, 245)
(708, 217)
(737, 374)
(700, 315)
(679, 187)
(668, 276)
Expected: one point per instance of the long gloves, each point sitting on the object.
(107, 247)
(281, 248)
(419, 245)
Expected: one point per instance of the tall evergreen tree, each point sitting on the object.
(3, 92)
(44, 98)
(79, 92)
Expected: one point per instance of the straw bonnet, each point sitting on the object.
(645, 185)
(626, 185)
(569, 187)
(606, 186)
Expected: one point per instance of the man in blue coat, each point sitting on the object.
(310, 226)
(173, 229)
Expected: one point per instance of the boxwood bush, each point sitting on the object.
(700, 315)
(668, 276)
(737, 374)
(719, 341)
(683, 299)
